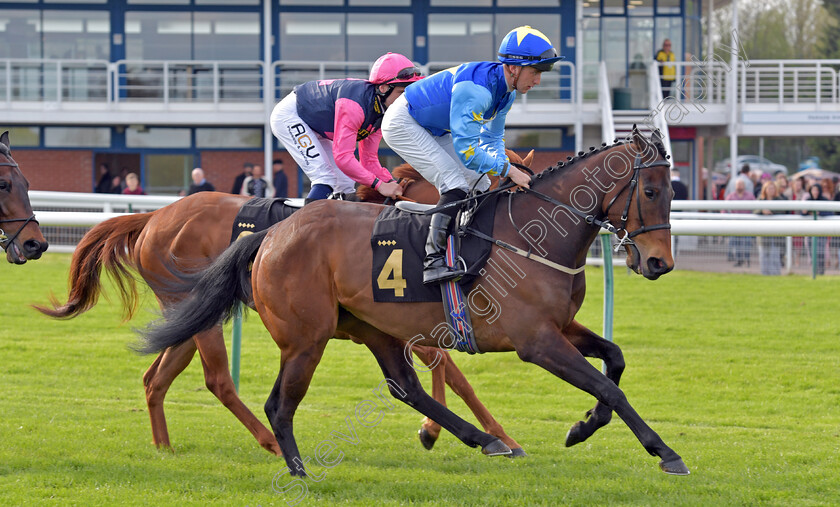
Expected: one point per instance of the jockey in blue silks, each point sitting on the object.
(451, 125)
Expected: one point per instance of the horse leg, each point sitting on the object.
(297, 365)
(553, 352)
(446, 370)
(404, 385)
(591, 345)
(157, 379)
(211, 349)
(433, 358)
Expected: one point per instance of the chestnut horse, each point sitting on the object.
(25, 242)
(192, 232)
(326, 248)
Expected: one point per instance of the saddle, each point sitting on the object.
(260, 213)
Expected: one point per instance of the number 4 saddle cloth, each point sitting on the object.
(399, 246)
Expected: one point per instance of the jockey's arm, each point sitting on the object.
(348, 120)
(469, 103)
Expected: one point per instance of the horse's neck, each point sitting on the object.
(567, 236)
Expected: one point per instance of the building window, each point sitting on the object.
(20, 31)
(157, 137)
(369, 36)
(76, 35)
(77, 137)
(228, 138)
(668, 6)
(461, 37)
(23, 136)
(312, 37)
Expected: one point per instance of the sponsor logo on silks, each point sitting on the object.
(305, 145)
(376, 106)
(362, 133)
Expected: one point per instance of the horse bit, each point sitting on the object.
(5, 241)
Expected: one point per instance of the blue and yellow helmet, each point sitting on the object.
(527, 46)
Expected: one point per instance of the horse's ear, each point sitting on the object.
(4, 138)
(639, 140)
(656, 137)
(529, 159)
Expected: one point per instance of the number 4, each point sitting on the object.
(391, 276)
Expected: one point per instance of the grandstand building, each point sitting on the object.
(158, 87)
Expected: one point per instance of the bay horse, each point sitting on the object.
(326, 247)
(192, 232)
(26, 242)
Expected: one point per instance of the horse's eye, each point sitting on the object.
(650, 193)
(4, 185)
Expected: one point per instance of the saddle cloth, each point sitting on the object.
(399, 246)
(259, 214)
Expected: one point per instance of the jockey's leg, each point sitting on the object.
(312, 153)
(435, 269)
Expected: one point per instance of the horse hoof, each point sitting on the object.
(517, 453)
(574, 436)
(426, 439)
(496, 448)
(674, 467)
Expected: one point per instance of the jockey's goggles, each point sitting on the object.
(406, 74)
(549, 53)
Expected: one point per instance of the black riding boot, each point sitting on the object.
(435, 269)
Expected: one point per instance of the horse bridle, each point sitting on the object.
(632, 184)
(5, 241)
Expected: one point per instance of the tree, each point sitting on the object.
(828, 46)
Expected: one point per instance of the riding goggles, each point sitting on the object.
(549, 53)
(406, 74)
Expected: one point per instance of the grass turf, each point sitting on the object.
(737, 373)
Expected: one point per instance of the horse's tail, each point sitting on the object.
(109, 245)
(211, 301)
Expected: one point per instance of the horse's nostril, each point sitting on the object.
(33, 246)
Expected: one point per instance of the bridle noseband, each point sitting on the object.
(5, 241)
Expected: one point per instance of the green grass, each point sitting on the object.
(737, 373)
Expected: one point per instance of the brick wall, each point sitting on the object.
(222, 167)
(61, 170)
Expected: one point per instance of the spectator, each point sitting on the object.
(815, 193)
(116, 184)
(771, 246)
(782, 184)
(132, 185)
(103, 184)
(280, 181)
(741, 245)
(744, 176)
(247, 170)
(667, 73)
(256, 185)
(200, 183)
(680, 190)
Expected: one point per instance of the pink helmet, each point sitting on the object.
(394, 68)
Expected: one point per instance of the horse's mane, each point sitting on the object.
(562, 166)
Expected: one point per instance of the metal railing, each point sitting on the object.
(789, 82)
(53, 81)
(657, 103)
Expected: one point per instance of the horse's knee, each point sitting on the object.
(613, 397)
(614, 358)
(221, 386)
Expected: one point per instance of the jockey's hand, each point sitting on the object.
(519, 177)
(391, 189)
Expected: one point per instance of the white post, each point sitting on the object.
(268, 93)
(578, 77)
(732, 95)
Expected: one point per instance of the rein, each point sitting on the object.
(5, 241)
(626, 239)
